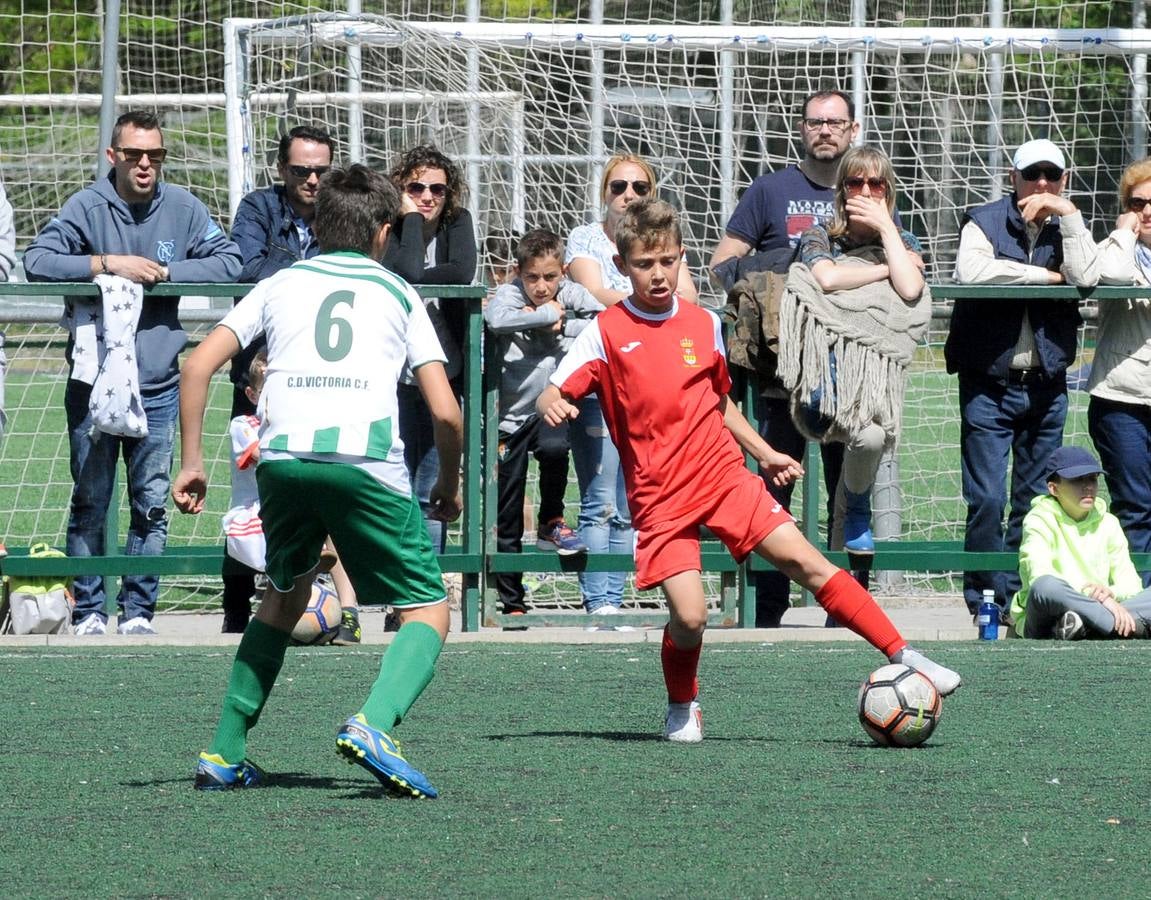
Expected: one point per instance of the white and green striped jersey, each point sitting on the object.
(340, 329)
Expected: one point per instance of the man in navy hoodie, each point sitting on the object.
(132, 225)
(1012, 355)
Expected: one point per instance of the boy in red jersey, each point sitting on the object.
(658, 366)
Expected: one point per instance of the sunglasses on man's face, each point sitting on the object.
(619, 185)
(1137, 204)
(856, 183)
(417, 188)
(1037, 171)
(307, 172)
(135, 154)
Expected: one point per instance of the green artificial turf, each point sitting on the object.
(553, 782)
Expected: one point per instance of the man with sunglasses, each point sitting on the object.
(273, 228)
(769, 219)
(133, 225)
(1012, 355)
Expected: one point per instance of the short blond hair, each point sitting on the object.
(647, 222)
(1135, 174)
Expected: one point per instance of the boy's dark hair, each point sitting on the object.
(536, 243)
(646, 222)
(351, 206)
(825, 94)
(500, 247)
(137, 118)
(427, 156)
(304, 133)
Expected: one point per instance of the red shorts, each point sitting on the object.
(741, 518)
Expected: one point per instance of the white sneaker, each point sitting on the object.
(684, 723)
(138, 625)
(607, 609)
(91, 624)
(1070, 627)
(944, 679)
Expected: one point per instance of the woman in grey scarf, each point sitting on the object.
(854, 310)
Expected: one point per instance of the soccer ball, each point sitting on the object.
(898, 706)
(320, 620)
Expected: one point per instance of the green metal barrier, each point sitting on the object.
(475, 556)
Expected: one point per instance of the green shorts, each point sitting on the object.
(380, 535)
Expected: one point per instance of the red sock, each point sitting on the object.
(679, 669)
(851, 606)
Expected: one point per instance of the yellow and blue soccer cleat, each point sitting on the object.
(214, 774)
(360, 743)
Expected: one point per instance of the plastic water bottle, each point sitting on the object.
(988, 617)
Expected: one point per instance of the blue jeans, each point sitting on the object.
(1025, 421)
(773, 414)
(421, 456)
(1121, 433)
(604, 519)
(148, 463)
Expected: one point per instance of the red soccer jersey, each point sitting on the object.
(660, 379)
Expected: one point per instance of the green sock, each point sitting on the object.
(408, 665)
(258, 661)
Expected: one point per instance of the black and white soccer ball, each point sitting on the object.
(898, 706)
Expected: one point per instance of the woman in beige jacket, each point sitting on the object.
(1119, 413)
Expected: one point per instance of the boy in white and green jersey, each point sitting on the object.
(341, 330)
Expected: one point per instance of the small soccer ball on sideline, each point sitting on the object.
(320, 620)
(898, 706)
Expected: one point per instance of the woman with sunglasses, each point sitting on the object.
(1119, 411)
(604, 520)
(433, 243)
(860, 290)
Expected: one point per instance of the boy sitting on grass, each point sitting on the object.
(1076, 572)
(658, 366)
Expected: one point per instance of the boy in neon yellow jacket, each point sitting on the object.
(1077, 576)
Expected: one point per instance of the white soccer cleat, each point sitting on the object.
(137, 625)
(91, 624)
(684, 723)
(944, 679)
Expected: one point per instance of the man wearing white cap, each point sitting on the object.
(1012, 354)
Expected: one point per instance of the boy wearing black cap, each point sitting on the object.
(1077, 576)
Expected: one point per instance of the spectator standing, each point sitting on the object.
(144, 231)
(1119, 412)
(771, 215)
(273, 229)
(1012, 355)
(434, 243)
(1076, 575)
(860, 288)
(604, 520)
(535, 317)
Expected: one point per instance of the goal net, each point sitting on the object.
(532, 110)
